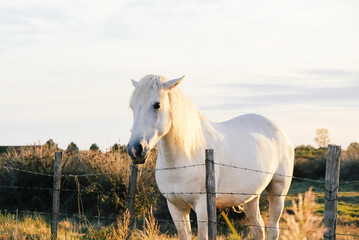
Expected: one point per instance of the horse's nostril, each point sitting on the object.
(139, 149)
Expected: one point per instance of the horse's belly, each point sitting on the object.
(229, 200)
(244, 175)
(239, 189)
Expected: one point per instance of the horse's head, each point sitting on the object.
(151, 114)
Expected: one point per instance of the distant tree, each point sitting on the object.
(322, 137)
(51, 144)
(94, 147)
(123, 148)
(72, 147)
(115, 147)
(353, 151)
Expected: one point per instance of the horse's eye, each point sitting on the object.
(156, 106)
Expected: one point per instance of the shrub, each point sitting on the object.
(94, 147)
(72, 147)
(310, 162)
(104, 194)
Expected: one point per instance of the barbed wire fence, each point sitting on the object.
(331, 190)
(331, 195)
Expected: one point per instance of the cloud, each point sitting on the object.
(275, 95)
(330, 73)
(21, 26)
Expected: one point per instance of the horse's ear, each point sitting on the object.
(134, 83)
(172, 83)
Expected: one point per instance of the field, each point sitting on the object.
(348, 205)
(38, 226)
(105, 196)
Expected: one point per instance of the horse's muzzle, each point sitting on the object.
(137, 153)
(140, 160)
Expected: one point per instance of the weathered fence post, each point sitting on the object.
(211, 195)
(331, 191)
(56, 194)
(131, 194)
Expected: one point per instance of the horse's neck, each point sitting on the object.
(170, 154)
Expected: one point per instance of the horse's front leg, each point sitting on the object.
(201, 211)
(181, 219)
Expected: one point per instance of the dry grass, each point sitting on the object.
(151, 229)
(33, 227)
(303, 223)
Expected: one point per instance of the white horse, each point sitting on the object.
(163, 116)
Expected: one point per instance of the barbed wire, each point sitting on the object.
(51, 175)
(26, 171)
(87, 175)
(242, 168)
(344, 234)
(157, 169)
(228, 193)
(348, 182)
(164, 193)
(27, 188)
(172, 168)
(179, 167)
(222, 223)
(254, 170)
(61, 189)
(60, 214)
(266, 172)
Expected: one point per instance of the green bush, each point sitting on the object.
(94, 147)
(310, 162)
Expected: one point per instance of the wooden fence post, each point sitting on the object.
(211, 195)
(56, 194)
(131, 194)
(331, 191)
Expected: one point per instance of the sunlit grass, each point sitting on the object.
(38, 227)
(33, 227)
(348, 204)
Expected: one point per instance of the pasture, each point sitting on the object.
(86, 214)
(38, 226)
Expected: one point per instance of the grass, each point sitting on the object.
(33, 227)
(38, 227)
(348, 204)
(303, 222)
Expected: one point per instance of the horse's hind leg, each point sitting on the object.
(276, 191)
(182, 221)
(251, 209)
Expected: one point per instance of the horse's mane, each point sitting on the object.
(187, 121)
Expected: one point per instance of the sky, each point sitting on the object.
(65, 66)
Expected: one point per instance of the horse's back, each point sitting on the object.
(253, 132)
(251, 124)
